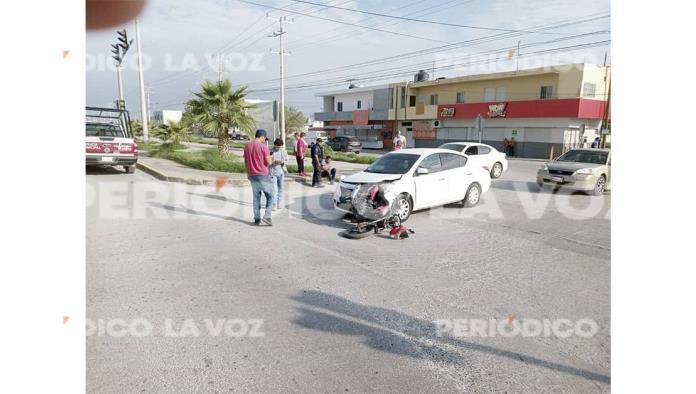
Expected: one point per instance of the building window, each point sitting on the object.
(403, 97)
(411, 101)
(500, 94)
(339, 106)
(546, 92)
(460, 97)
(359, 104)
(588, 89)
(488, 94)
(391, 98)
(433, 99)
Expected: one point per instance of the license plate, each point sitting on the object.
(556, 179)
(108, 159)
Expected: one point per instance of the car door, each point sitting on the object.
(485, 157)
(430, 188)
(455, 174)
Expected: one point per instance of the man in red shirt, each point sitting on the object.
(257, 158)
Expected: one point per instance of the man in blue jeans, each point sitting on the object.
(257, 158)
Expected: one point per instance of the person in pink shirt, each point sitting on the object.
(257, 160)
(300, 150)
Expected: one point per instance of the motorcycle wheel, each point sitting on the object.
(354, 233)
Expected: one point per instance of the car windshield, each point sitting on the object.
(585, 156)
(454, 147)
(395, 163)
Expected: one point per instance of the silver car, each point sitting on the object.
(587, 170)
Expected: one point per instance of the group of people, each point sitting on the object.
(321, 165)
(266, 170)
(509, 146)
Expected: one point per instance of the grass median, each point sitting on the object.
(212, 160)
(207, 159)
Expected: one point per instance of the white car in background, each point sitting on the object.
(421, 178)
(485, 155)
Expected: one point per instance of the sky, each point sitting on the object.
(184, 43)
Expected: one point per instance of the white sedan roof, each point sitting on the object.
(422, 151)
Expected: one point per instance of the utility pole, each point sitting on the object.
(147, 103)
(220, 70)
(143, 103)
(281, 110)
(517, 61)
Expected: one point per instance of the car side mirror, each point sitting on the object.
(422, 171)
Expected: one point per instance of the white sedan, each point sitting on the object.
(421, 178)
(487, 156)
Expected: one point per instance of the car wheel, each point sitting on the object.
(473, 195)
(129, 169)
(599, 186)
(497, 170)
(404, 207)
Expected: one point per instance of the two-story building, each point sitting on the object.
(363, 112)
(546, 110)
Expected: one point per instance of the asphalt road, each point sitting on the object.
(295, 308)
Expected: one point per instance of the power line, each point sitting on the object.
(346, 34)
(344, 22)
(423, 20)
(409, 70)
(437, 49)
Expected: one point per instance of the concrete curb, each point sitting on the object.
(240, 182)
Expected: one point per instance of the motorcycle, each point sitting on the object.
(375, 209)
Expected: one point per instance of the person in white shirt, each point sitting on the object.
(277, 171)
(399, 141)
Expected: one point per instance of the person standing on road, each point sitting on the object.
(300, 150)
(506, 146)
(256, 160)
(399, 141)
(317, 156)
(278, 170)
(595, 143)
(512, 147)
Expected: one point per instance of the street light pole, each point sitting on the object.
(120, 82)
(143, 102)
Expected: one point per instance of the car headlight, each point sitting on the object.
(584, 171)
(545, 167)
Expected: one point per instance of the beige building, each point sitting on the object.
(545, 110)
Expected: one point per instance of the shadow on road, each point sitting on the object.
(318, 209)
(222, 198)
(94, 170)
(395, 332)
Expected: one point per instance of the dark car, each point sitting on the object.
(345, 144)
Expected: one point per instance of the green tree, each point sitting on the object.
(136, 127)
(217, 108)
(172, 132)
(295, 120)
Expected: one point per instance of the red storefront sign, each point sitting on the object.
(361, 117)
(447, 112)
(560, 108)
(497, 110)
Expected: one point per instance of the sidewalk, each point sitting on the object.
(170, 171)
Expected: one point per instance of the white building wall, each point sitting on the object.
(350, 101)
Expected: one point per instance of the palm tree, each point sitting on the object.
(172, 132)
(136, 127)
(217, 108)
